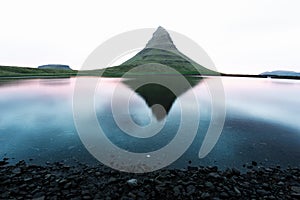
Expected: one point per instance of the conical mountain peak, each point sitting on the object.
(161, 50)
(161, 40)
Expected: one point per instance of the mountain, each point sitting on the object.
(281, 73)
(55, 66)
(160, 49)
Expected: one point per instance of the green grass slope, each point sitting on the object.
(9, 71)
(173, 59)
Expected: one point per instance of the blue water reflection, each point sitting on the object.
(36, 121)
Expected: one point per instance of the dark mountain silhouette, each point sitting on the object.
(155, 93)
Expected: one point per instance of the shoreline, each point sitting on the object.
(20, 77)
(60, 181)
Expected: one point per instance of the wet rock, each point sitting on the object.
(85, 192)
(235, 172)
(3, 162)
(141, 194)
(39, 198)
(205, 195)
(209, 185)
(262, 192)
(237, 191)
(111, 180)
(254, 163)
(86, 197)
(214, 175)
(296, 195)
(295, 189)
(27, 179)
(160, 188)
(271, 197)
(5, 182)
(16, 170)
(224, 195)
(132, 182)
(67, 185)
(280, 183)
(265, 186)
(177, 191)
(190, 189)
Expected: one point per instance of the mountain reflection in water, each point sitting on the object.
(156, 94)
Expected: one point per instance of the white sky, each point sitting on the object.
(241, 36)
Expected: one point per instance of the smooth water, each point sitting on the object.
(262, 120)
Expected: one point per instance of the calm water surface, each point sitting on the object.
(262, 120)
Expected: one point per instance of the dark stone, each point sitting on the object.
(295, 189)
(224, 195)
(141, 194)
(67, 185)
(254, 163)
(27, 179)
(205, 195)
(39, 195)
(190, 189)
(131, 195)
(111, 180)
(177, 191)
(3, 162)
(262, 192)
(238, 192)
(296, 195)
(16, 170)
(85, 192)
(160, 188)
(214, 175)
(235, 171)
(209, 185)
(265, 186)
(280, 183)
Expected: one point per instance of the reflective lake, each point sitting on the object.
(261, 123)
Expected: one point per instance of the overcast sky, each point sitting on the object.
(240, 36)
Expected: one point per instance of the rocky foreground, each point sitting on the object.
(60, 181)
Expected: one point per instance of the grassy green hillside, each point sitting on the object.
(177, 61)
(8, 71)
